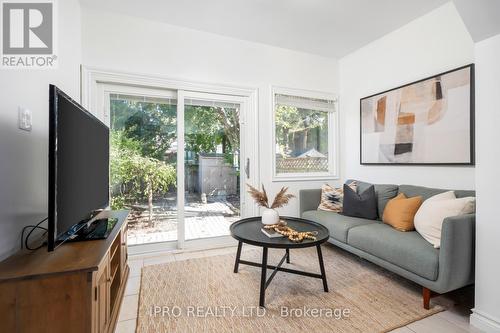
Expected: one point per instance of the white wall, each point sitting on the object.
(431, 44)
(487, 308)
(124, 43)
(23, 155)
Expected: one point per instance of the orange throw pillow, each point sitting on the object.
(400, 211)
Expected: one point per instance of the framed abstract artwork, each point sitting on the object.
(427, 122)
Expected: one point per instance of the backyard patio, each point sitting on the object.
(202, 220)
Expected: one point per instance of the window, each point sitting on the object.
(305, 134)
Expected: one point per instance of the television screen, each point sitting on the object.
(78, 166)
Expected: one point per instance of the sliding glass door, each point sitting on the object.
(176, 163)
(212, 151)
(143, 162)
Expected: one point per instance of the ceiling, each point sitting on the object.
(331, 28)
(482, 17)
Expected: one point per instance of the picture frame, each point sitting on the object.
(425, 122)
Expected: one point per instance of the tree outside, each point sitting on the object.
(143, 156)
(301, 139)
(141, 133)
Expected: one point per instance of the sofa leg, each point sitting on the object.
(426, 294)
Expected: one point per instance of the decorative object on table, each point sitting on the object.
(332, 198)
(431, 214)
(270, 215)
(400, 212)
(270, 232)
(429, 121)
(292, 234)
(362, 205)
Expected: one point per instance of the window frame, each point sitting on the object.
(333, 136)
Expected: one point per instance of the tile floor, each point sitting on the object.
(456, 319)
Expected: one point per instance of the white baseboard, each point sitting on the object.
(146, 250)
(484, 322)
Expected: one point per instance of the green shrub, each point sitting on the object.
(135, 177)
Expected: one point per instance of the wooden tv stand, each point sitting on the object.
(77, 288)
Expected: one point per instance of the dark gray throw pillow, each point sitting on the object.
(360, 205)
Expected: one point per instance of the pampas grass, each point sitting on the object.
(260, 197)
(281, 199)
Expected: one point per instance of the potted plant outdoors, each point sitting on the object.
(270, 215)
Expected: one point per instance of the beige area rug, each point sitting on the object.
(204, 295)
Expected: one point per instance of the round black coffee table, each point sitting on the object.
(249, 231)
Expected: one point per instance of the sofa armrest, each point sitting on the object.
(456, 256)
(309, 200)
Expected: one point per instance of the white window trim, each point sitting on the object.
(333, 136)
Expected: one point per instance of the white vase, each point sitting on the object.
(270, 216)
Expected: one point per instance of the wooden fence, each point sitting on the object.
(301, 164)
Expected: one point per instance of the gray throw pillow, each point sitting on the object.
(384, 193)
(362, 205)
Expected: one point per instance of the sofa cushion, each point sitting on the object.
(332, 198)
(427, 192)
(362, 204)
(407, 250)
(400, 212)
(431, 215)
(383, 192)
(337, 224)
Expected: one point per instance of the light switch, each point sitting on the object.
(24, 116)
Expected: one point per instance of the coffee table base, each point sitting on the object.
(265, 281)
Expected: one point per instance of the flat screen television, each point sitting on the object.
(78, 168)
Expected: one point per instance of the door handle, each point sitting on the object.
(247, 168)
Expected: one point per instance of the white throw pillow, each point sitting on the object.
(442, 196)
(430, 216)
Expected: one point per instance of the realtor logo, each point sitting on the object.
(28, 34)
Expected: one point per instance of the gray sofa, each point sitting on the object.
(405, 253)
